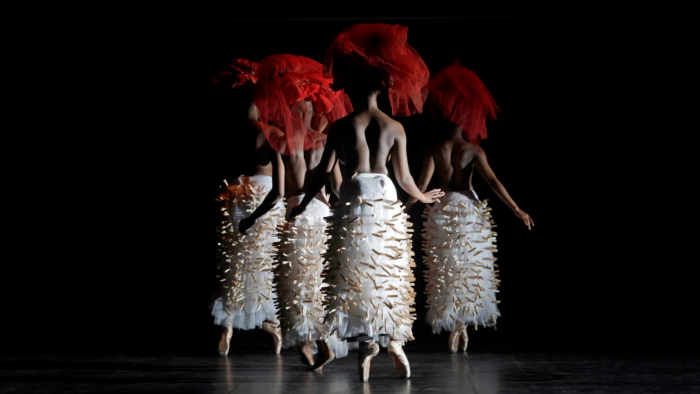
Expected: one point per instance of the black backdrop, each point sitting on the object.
(594, 141)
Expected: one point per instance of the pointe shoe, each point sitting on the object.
(367, 351)
(463, 339)
(325, 355)
(455, 335)
(225, 342)
(307, 353)
(401, 365)
(276, 331)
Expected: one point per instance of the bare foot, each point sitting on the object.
(276, 332)
(225, 342)
(368, 350)
(307, 353)
(401, 365)
(325, 355)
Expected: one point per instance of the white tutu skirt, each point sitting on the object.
(369, 263)
(299, 274)
(246, 273)
(459, 246)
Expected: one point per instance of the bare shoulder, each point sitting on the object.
(470, 151)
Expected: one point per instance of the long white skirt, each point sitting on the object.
(246, 273)
(299, 274)
(369, 272)
(459, 246)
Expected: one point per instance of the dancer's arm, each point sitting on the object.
(403, 174)
(272, 197)
(324, 169)
(482, 165)
(426, 174)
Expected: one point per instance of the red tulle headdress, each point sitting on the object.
(242, 72)
(284, 83)
(384, 47)
(458, 95)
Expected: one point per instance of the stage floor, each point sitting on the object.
(177, 371)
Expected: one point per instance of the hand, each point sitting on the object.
(296, 211)
(524, 217)
(432, 196)
(245, 224)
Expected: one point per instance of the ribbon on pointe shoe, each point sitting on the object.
(403, 368)
(367, 351)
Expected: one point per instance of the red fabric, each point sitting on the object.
(384, 47)
(284, 83)
(245, 72)
(458, 95)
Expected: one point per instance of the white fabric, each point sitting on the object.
(247, 271)
(462, 283)
(298, 275)
(369, 270)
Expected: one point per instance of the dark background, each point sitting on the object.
(121, 156)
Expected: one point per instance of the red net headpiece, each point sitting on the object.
(286, 83)
(458, 95)
(384, 47)
(242, 72)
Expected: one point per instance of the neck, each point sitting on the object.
(362, 102)
(455, 132)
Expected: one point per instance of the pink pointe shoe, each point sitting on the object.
(276, 331)
(367, 351)
(225, 342)
(455, 335)
(463, 339)
(401, 365)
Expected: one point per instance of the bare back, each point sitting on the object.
(262, 160)
(454, 162)
(365, 141)
(300, 166)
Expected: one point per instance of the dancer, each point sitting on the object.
(246, 265)
(299, 262)
(369, 274)
(459, 237)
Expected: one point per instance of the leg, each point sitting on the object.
(368, 350)
(276, 331)
(455, 335)
(401, 365)
(225, 342)
(325, 355)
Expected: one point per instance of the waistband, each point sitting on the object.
(370, 175)
(295, 200)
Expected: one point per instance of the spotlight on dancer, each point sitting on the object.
(369, 276)
(246, 266)
(459, 237)
(294, 98)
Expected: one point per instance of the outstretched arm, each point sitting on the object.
(403, 174)
(272, 197)
(324, 169)
(425, 175)
(482, 165)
